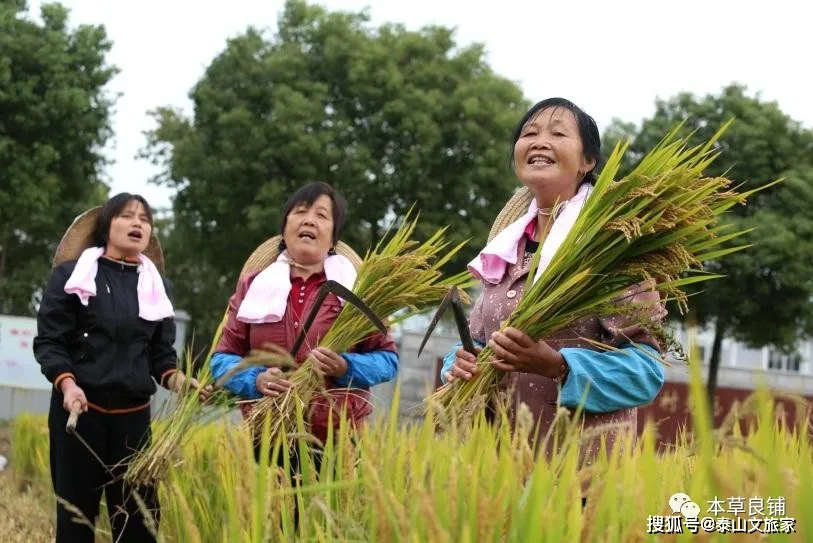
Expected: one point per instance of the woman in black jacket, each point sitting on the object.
(105, 336)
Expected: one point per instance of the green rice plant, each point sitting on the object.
(478, 482)
(150, 465)
(31, 462)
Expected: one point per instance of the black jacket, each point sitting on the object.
(113, 354)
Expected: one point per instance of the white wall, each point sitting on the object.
(737, 355)
(23, 388)
(18, 369)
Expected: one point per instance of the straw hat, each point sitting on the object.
(516, 207)
(79, 236)
(267, 253)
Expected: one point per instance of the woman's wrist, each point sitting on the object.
(551, 363)
(175, 381)
(66, 384)
(559, 370)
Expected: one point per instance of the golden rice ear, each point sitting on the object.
(79, 236)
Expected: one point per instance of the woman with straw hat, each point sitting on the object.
(105, 335)
(555, 151)
(276, 291)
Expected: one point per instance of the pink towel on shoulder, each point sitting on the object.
(153, 302)
(492, 262)
(267, 296)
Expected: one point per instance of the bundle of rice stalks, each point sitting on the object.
(660, 223)
(151, 465)
(399, 274)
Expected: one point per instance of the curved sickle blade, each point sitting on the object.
(444, 303)
(462, 324)
(452, 299)
(347, 295)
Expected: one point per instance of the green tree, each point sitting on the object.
(765, 298)
(54, 123)
(391, 117)
(619, 131)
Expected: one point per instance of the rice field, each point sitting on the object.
(398, 482)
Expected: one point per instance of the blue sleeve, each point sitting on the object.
(366, 370)
(242, 383)
(448, 360)
(622, 379)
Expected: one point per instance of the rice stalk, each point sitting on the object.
(475, 483)
(657, 226)
(151, 465)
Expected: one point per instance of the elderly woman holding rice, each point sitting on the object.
(556, 148)
(271, 302)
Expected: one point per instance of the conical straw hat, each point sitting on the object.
(516, 207)
(267, 253)
(79, 236)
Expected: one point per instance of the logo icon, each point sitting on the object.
(683, 504)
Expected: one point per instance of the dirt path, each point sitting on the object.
(23, 516)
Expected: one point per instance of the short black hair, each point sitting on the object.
(112, 209)
(307, 195)
(588, 130)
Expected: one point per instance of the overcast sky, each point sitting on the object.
(611, 58)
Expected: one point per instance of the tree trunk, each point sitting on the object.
(714, 364)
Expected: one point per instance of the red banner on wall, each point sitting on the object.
(670, 410)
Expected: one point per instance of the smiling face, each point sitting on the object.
(549, 154)
(130, 231)
(308, 233)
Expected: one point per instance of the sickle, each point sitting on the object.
(452, 299)
(341, 291)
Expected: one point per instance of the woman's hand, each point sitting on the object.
(71, 393)
(272, 383)
(178, 379)
(514, 350)
(204, 393)
(464, 366)
(328, 362)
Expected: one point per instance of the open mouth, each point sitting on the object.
(307, 235)
(135, 235)
(540, 159)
